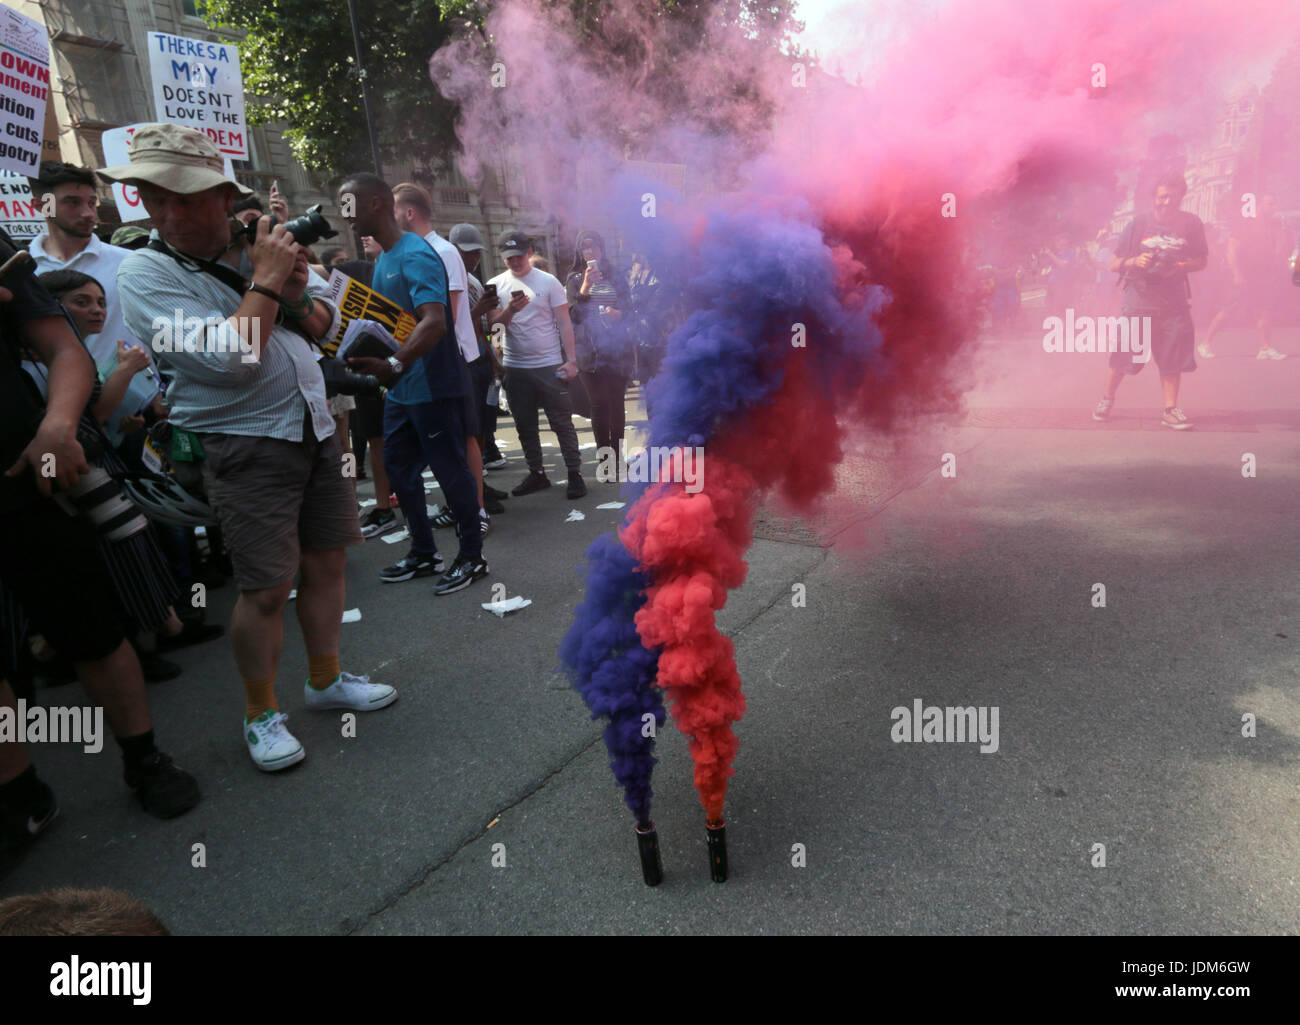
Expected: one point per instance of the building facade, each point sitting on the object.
(100, 79)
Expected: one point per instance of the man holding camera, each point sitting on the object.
(234, 320)
(49, 560)
(1155, 253)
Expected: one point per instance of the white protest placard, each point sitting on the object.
(198, 84)
(129, 206)
(19, 215)
(24, 90)
(115, 140)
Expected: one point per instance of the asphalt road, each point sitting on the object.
(1119, 726)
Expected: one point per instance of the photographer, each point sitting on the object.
(1154, 255)
(49, 561)
(248, 385)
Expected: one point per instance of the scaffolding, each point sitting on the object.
(98, 69)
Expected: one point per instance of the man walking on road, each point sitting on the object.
(1155, 253)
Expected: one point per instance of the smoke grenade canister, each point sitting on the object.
(717, 837)
(647, 841)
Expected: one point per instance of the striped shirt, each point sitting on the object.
(223, 384)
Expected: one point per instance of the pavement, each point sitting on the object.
(481, 802)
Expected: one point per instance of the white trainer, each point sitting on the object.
(354, 692)
(1270, 353)
(270, 744)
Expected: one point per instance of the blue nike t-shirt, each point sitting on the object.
(410, 274)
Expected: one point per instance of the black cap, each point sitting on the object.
(513, 243)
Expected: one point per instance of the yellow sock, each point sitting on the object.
(322, 669)
(259, 697)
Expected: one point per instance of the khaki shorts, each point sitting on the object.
(276, 498)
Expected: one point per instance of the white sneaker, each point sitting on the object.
(1204, 352)
(354, 692)
(270, 744)
(1270, 353)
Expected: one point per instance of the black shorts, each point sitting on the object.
(370, 416)
(1173, 343)
(50, 563)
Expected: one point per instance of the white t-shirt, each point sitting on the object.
(456, 283)
(532, 336)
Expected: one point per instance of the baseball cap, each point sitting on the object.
(466, 238)
(513, 243)
(129, 236)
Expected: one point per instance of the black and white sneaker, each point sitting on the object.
(412, 566)
(463, 572)
(443, 518)
(21, 824)
(378, 521)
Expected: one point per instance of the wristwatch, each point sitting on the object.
(396, 364)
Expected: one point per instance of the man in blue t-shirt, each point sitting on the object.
(427, 381)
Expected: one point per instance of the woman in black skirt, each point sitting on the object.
(140, 572)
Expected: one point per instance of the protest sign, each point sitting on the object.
(24, 90)
(357, 302)
(197, 84)
(19, 216)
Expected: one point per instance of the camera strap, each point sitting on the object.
(228, 276)
(233, 280)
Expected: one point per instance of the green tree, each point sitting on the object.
(299, 65)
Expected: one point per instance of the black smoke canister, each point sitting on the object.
(717, 836)
(647, 841)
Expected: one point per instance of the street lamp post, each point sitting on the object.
(365, 90)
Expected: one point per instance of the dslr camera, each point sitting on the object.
(306, 230)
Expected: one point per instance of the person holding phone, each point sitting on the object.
(539, 360)
(598, 298)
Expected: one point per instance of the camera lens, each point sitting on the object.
(99, 498)
(310, 228)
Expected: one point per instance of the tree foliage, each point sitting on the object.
(300, 67)
(299, 64)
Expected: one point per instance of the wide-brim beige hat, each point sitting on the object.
(174, 158)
